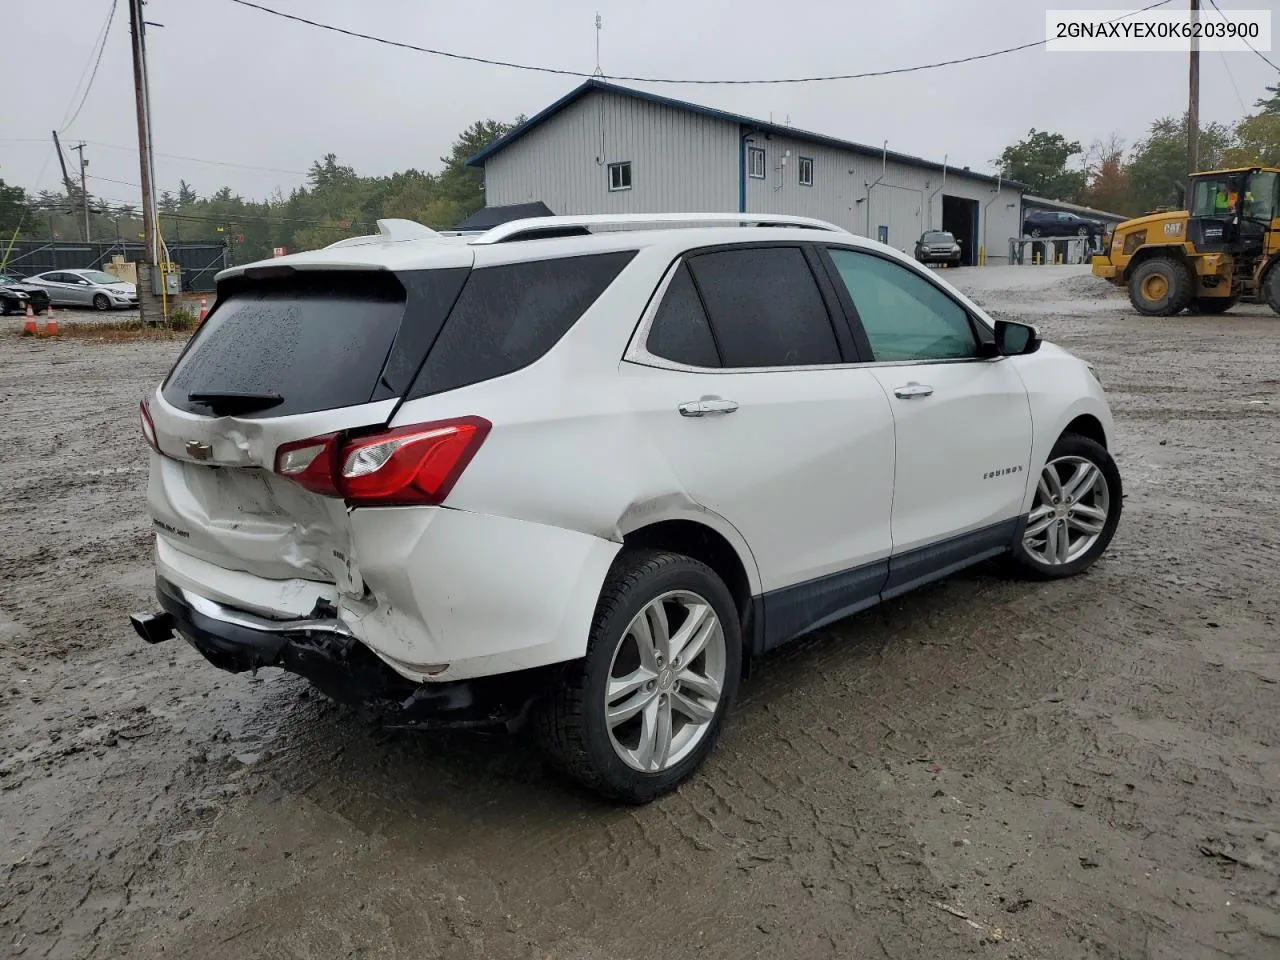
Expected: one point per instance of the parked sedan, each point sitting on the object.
(938, 246)
(85, 288)
(1054, 223)
(15, 294)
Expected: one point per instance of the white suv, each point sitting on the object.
(578, 472)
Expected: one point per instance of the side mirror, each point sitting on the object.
(1016, 339)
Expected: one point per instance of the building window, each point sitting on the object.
(806, 171)
(620, 175)
(755, 163)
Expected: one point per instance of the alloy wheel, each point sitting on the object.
(1069, 513)
(665, 681)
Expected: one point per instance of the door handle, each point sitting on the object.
(912, 390)
(707, 406)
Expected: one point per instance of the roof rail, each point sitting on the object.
(534, 227)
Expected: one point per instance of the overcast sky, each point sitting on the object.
(252, 91)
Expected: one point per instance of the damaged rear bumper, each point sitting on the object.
(322, 650)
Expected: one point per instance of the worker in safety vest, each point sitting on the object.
(1221, 201)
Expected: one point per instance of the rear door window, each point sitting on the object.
(765, 307)
(315, 341)
(510, 315)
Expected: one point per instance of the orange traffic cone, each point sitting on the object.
(204, 309)
(30, 325)
(50, 322)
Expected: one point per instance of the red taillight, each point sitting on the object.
(407, 465)
(310, 463)
(148, 428)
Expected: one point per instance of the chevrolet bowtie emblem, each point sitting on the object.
(198, 451)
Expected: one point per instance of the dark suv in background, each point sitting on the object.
(938, 246)
(1054, 223)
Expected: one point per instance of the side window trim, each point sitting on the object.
(851, 349)
(977, 328)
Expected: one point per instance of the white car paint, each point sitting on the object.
(818, 471)
(975, 422)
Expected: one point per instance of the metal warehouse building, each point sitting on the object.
(604, 148)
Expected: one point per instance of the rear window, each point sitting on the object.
(317, 342)
(508, 316)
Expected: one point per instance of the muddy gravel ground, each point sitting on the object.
(992, 768)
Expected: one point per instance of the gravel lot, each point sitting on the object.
(1086, 769)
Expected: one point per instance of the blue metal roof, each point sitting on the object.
(763, 126)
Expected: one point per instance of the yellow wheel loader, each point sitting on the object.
(1226, 249)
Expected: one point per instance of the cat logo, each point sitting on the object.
(1173, 229)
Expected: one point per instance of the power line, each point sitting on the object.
(216, 163)
(102, 45)
(1246, 40)
(167, 156)
(577, 73)
(93, 59)
(123, 183)
(48, 157)
(105, 203)
(1230, 76)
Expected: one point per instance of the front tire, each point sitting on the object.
(641, 711)
(1074, 513)
(1271, 288)
(1160, 287)
(101, 301)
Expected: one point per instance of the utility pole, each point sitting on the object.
(1193, 99)
(147, 266)
(66, 181)
(84, 189)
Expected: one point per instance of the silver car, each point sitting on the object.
(85, 288)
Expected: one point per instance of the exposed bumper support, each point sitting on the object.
(323, 651)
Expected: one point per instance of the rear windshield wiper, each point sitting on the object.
(229, 403)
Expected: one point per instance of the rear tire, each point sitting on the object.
(644, 590)
(101, 301)
(1160, 287)
(1213, 305)
(1079, 496)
